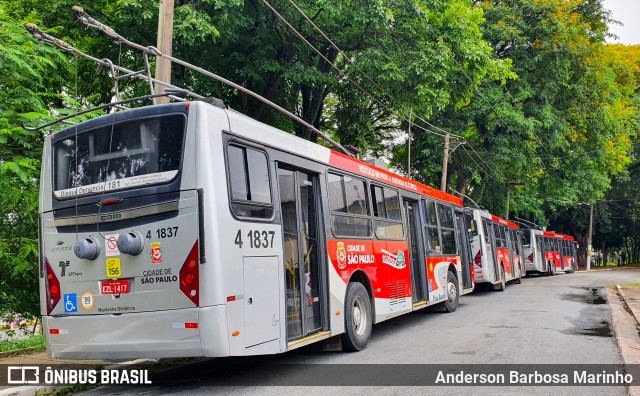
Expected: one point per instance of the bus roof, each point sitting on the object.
(345, 162)
(504, 222)
(556, 235)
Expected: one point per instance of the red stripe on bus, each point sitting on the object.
(504, 222)
(344, 162)
(556, 235)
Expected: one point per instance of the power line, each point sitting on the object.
(444, 132)
(479, 92)
(371, 96)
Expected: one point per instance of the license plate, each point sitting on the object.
(115, 287)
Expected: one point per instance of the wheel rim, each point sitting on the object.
(453, 292)
(359, 316)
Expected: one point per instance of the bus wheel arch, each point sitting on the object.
(360, 276)
(453, 290)
(358, 316)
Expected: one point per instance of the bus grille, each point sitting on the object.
(396, 292)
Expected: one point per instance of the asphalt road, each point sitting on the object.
(557, 320)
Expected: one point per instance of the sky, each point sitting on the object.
(627, 12)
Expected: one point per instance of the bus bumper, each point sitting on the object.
(161, 334)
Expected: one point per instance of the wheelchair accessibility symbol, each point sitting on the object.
(70, 303)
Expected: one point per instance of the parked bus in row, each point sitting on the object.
(188, 229)
(496, 246)
(549, 252)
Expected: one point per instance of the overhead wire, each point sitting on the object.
(345, 75)
(479, 93)
(442, 133)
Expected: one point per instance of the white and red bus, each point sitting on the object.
(496, 246)
(548, 252)
(188, 229)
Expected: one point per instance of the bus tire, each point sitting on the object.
(502, 286)
(357, 317)
(453, 292)
(453, 296)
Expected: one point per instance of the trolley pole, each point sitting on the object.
(165, 38)
(445, 163)
(589, 248)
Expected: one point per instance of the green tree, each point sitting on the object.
(31, 77)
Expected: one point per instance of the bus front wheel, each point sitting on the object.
(358, 318)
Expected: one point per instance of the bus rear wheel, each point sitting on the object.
(358, 318)
(453, 298)
(503, 280)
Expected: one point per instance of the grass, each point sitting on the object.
(36, 341)
(630, 285)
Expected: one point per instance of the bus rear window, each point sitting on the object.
(124, 155)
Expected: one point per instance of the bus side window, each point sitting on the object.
(447, 230)
(386, 210)
(430, 222)
(349, 206)
(250, 183)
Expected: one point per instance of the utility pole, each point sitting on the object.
(165, 38)
(589, 248)
(445, 162)
(508, 197)
(409, 149)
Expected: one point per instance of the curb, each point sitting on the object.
(15, 352)
(626, 302)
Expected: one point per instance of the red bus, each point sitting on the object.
(497, 249)
(548, 252)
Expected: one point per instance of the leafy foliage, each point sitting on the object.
(549, 113)
(31, 79)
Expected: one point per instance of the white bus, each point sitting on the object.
(548, 252)
(496, 246)
(188, 229)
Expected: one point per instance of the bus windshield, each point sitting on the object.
(124, 155)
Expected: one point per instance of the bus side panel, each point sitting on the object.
(338, 290)
(504, 258)
(234, 262)
(437, 268)
(387, 267)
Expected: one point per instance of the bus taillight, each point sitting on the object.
(189, 283)
(52, 287)
(530, 257)
(477, 259)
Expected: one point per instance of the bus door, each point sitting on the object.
(416, 252)
(303, 236)
(513, 252)
(490, 242)
(463, 223)
(542, 249)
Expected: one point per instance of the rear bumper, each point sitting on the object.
(159, 334)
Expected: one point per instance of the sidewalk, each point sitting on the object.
(631, 296)
(625, 319)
